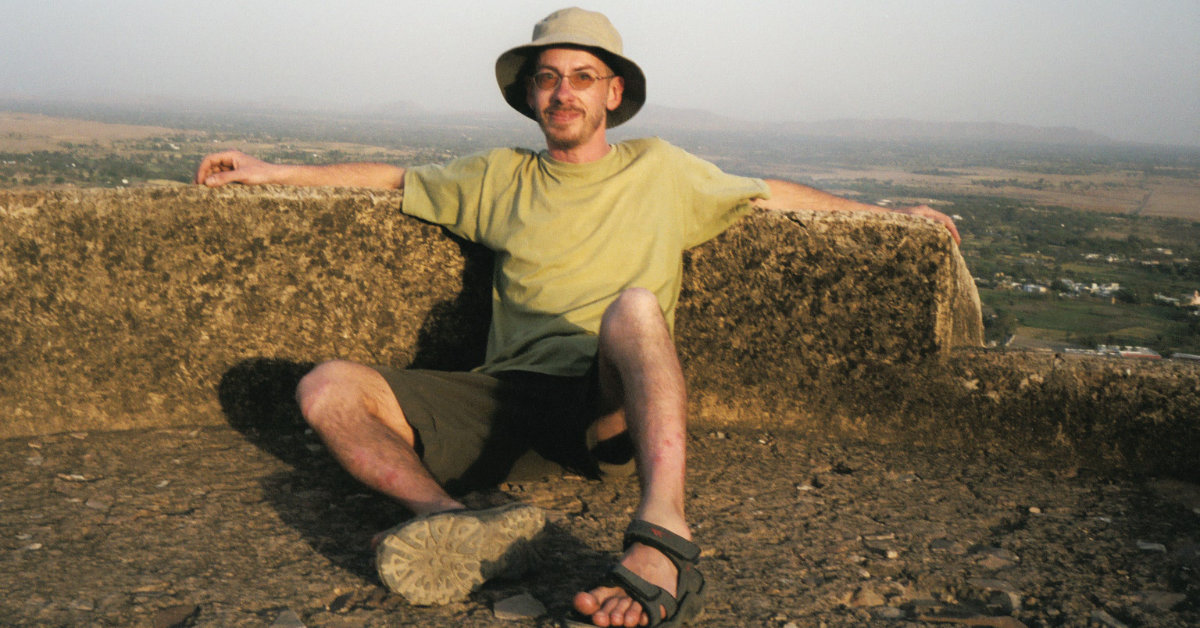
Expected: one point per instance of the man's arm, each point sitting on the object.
(237, 167)
(788, 195)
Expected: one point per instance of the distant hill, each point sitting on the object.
(903, 129)
(898, 129)
(652, 116)
(501, 125)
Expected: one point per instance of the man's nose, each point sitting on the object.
(563, 91)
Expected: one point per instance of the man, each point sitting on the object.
(580, 362)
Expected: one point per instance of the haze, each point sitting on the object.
(1129, 70)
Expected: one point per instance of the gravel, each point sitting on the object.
(216, 527)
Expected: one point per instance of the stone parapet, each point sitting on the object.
(133, 308)
(1085, 412)
(187, 306)
(784, 300)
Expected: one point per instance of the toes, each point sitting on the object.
(633, 614)
(610, 606)
(586, 604)
(621, 612)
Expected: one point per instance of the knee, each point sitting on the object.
(325, 385)
(633, 307)
(634, 302)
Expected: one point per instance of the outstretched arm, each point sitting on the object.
(237, 167)
(788, 195)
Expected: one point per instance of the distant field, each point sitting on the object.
(44, 151)
(1056, 322)
(1174, 199)
(1116, 191)
(28, 132)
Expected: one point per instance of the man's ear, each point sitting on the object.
(616, 90)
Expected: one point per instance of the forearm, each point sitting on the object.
(788, 195)
(234, 166)
(365, 175)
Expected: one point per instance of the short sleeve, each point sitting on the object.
(447, 194)
(717, 199)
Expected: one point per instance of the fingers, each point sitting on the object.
(225, 167)
(214, 164)
(223, 177)
(928, 212)
(953, 232)
(946, 221)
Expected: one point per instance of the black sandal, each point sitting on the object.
(688, 601)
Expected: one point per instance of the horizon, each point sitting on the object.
(1124, 70)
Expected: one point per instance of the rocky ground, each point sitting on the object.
(215, 527)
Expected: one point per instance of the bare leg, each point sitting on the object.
(640, 369)
(356, 414)
(439, 556)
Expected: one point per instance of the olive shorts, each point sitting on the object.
(472, 428)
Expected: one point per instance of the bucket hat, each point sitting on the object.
(573, 27)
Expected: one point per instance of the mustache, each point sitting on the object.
(553, 109)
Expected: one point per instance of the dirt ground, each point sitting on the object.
(215, 527)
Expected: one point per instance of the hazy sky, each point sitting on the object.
(1129, 69)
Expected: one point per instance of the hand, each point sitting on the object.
(236, 167)
(926, 211)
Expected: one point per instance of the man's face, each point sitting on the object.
(570, 117)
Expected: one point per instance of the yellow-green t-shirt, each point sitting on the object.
(569, 238)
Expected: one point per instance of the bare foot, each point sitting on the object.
(612, 606)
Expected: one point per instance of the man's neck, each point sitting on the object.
(593, 151)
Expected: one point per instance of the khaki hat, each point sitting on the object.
(573, 27)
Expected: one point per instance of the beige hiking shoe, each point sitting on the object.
(443, 557)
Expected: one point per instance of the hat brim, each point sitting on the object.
(514, 89)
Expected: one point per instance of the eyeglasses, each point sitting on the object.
(579, 80)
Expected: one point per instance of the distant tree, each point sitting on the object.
(1000, 326)
(1126, 295)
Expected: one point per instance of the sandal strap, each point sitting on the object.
(674, 547)
(652, 598)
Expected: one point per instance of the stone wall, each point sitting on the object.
(785, 301)
(1090, 413)
(128, 308)
(188, 306)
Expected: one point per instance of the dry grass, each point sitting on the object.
(1174, 199)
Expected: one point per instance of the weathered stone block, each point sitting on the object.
(1092, 413)
(126, 308)
(779, 305)
(130, 308)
